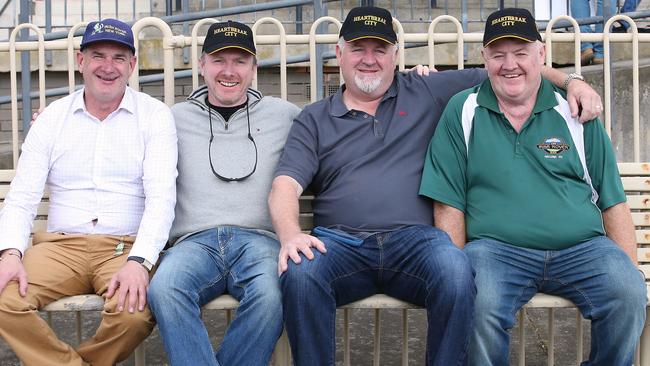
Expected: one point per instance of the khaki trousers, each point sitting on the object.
(61, 265)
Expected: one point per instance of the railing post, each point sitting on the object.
(320, 10)
(25, 72)
(48, 29)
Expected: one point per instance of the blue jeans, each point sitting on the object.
(597, 276)
(418, 264)
(241, 262)
(581, 9)
(628, 6)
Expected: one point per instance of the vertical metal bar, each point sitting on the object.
(82, 10)
(551, 337)
(228, 317)
(65, 12)
(99, 9)
(117, 11)
(346, 337)
(405, 337)
(522, 338)
(168, 7)
(77, 315)
(299, 19)
(644, 342)
(25, 72)
(48, 29)
(579, 335)
(463, 20)
(140, 355)
(377, 348)
(320, 10)
(185, 8)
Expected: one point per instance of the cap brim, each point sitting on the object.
(354, 37)
(210, 52)
(516, 36)
(121, 43)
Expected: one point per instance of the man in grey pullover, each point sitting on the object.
(229, 141)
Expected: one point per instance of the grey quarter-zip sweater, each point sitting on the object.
(205, 201)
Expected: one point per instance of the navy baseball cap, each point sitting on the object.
(510, 23)
(229, 34)
(108, 30)
(368, 22)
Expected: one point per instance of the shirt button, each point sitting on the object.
(365, 116)
(354, 113)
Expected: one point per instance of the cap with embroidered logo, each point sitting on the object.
(108, 30)
(229, 34)
(510, 23)
(368, 22)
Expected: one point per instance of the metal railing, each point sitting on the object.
(284, 41)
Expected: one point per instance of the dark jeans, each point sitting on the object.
(418, 264)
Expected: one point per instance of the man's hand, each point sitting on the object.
(34, 116)
(12, 269)
(131, 279)
(581, 95)
(300, 243)
(422, 70)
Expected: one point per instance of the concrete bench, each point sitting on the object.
(636, 181)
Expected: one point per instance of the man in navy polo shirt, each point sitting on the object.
(361, 152)
(538, 198)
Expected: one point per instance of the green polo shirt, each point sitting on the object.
(531, 189)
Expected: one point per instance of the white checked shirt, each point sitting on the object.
(112, 177)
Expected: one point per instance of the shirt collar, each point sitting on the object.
(338, 107)
(127, 103)
(545, 97)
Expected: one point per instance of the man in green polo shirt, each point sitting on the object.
(538, 199)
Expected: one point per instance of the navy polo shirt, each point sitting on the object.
(365, 170)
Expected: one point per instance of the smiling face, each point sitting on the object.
(228, 74)
(367, 66)
(514, 68)
(106, 67)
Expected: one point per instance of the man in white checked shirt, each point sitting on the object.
(108, 155)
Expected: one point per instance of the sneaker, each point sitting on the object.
(597, 61)
(586, 56)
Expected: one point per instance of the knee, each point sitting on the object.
(158, 291)
(300, 278)
(456, 273)
(138, 323)
(266, 295)
(11, 302)
(629, 296)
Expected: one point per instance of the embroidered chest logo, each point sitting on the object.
(554, 147)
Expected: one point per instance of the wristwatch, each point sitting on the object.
(145, 263)
(572, 76)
